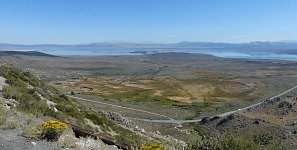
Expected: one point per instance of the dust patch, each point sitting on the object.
(180, 99)
(199, 92)
(136, 85)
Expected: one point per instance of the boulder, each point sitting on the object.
(114, 116)
(204, 120)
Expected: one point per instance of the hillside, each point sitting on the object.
(24, 53)
(114, 98)
(26, 102)
(274, 121)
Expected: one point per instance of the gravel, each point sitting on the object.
(11, 140)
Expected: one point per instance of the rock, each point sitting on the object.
(285, 104)
(6, 106)
(33, 143)
(204, 120)
(231, 117)
(10, 102)
(256, 122)
(226, 119)
(214, 118)
(51, 105)
(115, 116)
(142, 130)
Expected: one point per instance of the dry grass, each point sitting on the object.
(214, 88)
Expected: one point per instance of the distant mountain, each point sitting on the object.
(24, 53)
(289, 41)
(277, 47)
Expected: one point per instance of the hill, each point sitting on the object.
(274, 121)
(24, 53)
(27, 101)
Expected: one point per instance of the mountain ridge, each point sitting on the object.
(266, 46)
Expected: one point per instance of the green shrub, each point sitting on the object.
(1, 100)
(33, 132)
(2, 120)
(263, 138)
(10, 125)
(199, 130)
(2, 111)
(29, 119)
(95, 118)
(68, 142)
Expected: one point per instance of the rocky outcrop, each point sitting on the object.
(285, 105)
(115, 116)
(226, 119)
(8, 103)
(204, 120)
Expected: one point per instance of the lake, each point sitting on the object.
(218, 53)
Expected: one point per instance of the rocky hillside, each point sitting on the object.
(26, 102)
(274, 121)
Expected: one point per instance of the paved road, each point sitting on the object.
(139, 110)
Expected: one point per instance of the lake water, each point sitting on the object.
(218, 53)
(249, 55)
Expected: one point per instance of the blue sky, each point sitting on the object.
(161, 21)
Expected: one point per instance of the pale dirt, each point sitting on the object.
(198, 91)
(2, 83)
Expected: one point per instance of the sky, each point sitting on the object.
(158, 21)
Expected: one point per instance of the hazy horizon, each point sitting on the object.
(148, 42)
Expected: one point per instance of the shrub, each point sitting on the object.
(32, 132)
(233, 142)
(95, 118)
(69, 142)
(264, 138)
(199, 130)
(2, 120)
(52, 130)
(10, 125)
(2, 116)
(29, 119)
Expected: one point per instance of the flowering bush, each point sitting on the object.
(52, 130)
